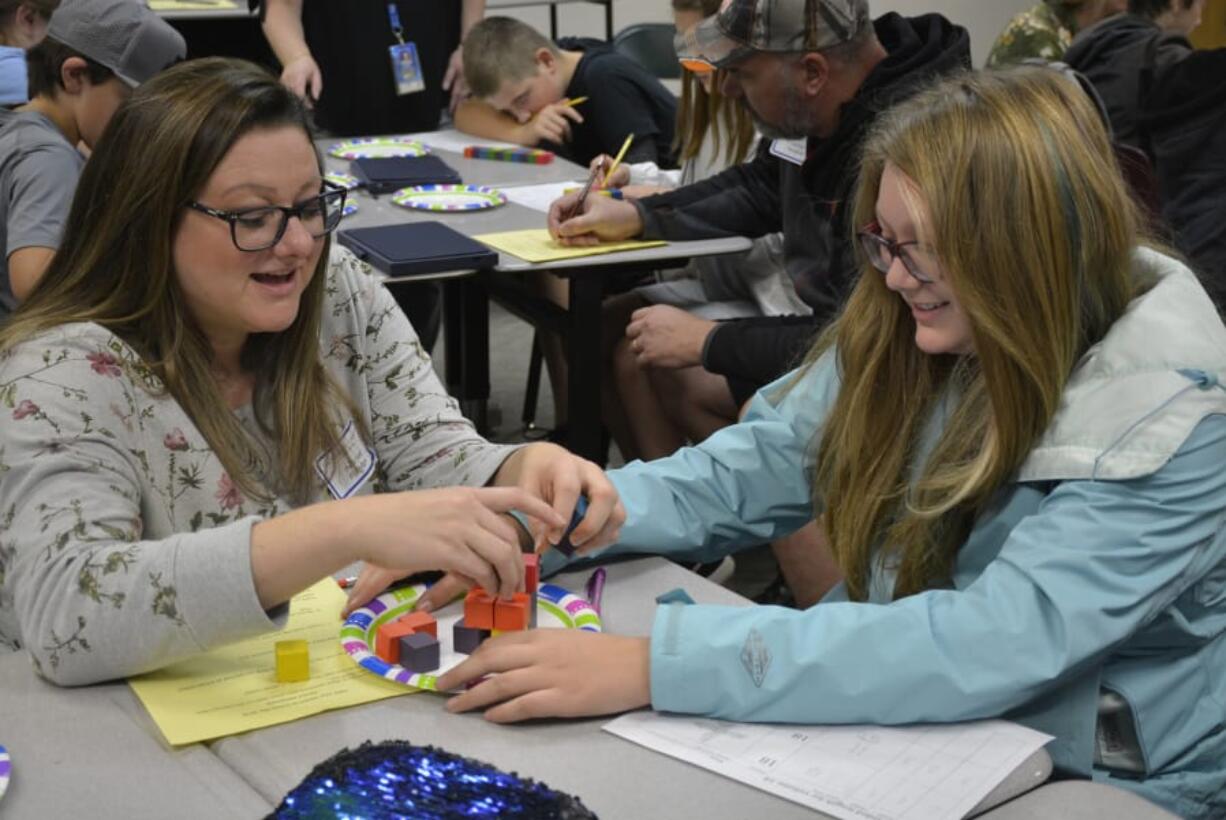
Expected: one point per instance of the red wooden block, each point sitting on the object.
(532, 571)
(479, 609)
(421, 622)
(387, 640)
(512, 615)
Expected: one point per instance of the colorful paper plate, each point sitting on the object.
(6, 769)
(362, 147)
(351, 208)
(555, 608)
(346, 181)
(449, 197)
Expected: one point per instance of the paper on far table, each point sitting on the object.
(931, 772)
(537, 245)
(234, 689)
(538, 197)
(449, 139)
(191, 5)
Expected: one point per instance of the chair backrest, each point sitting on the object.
(651, 46)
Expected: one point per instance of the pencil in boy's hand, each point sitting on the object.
(575, 101)
(617, 159)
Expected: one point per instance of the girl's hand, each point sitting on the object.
(553, 673)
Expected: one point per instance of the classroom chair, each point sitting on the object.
(651, 46)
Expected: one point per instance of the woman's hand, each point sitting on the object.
(301, 75)
(458, 530)
(553, 673)
(559, 477)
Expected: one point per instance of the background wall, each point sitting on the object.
(983, 18)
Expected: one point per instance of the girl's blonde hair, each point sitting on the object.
(700, 111)
(1033, 224)
(115, 268)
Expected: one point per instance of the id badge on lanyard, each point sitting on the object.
(406, 66)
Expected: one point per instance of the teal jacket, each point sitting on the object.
(1099, 573)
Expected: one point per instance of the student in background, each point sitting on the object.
(1047, 30)
(95, 52)
(713, 133)
(23, 25)
(522, 82)
(1121, 55)
(1183, 120)
(1018, 444)
(209, 412)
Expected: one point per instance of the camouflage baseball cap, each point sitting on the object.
(742, 27)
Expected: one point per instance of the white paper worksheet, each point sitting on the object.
(935, 772)
(538, 197)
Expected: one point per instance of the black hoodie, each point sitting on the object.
(1112, 54)
(1184, 116)
(810, 203)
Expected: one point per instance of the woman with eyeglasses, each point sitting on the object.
(1017, 433)
(210, 410)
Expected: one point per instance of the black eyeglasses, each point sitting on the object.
(882, 252)
(257, 229)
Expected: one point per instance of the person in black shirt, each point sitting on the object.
(523, 86)
(336, 55)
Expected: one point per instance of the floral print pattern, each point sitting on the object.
(118, 516)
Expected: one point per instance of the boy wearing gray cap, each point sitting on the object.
(95, 52)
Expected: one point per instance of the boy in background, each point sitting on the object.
(95, 52)
(522, 83)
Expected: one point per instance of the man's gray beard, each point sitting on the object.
(795, 123)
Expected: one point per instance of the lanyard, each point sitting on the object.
(393, 17)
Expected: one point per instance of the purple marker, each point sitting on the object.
(595, 588)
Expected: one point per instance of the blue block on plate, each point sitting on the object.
(419, 652)
(565, 546)
(465, 639)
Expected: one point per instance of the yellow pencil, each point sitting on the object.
(575, 101)
(617, 159)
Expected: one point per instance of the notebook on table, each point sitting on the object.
(383, 174)
(417, 248)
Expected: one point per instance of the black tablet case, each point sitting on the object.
(383, 174)
(417, 248)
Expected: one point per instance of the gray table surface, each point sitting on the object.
(94, 752)
(380, 210)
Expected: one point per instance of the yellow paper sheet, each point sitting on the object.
(234, 689)
(191, 5)
(537, 246)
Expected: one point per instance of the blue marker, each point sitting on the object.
(565, 546)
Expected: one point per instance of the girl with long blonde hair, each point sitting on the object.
(1016, 430)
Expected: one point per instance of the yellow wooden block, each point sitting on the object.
(293, 661)
(494, 633)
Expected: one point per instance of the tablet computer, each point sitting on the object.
(383, 174)
(417, 248)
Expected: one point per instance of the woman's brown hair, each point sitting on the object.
(115, 268)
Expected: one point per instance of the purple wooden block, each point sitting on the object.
(532, 611)
(419, 652)
(465, 639)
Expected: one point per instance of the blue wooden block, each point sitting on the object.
(466, 639)
(565, 546)
(419, 652)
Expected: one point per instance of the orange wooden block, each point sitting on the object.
(421, 622)
(532, 571)
(387, 640)
(479, 609)
(512, 615)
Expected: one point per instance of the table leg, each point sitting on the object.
(586, 436)
(466, 335)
